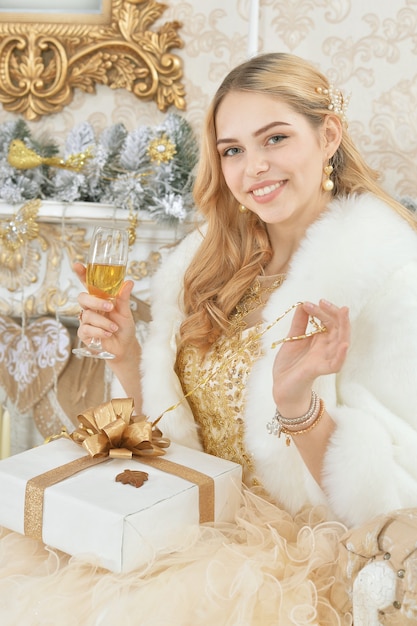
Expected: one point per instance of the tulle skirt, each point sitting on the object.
(266, 569)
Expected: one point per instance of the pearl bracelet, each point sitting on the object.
(290, 433)
(280, 424)
(274, 426)
(293, 421)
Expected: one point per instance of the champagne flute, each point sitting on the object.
(106, 268)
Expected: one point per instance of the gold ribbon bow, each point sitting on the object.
(109, 430)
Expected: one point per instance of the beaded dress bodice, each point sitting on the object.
(216, 382)
(218, 404)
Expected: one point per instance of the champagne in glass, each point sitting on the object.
(106, 268)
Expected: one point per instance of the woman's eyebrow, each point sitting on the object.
(260, 131)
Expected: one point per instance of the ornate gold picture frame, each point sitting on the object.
(44, 57)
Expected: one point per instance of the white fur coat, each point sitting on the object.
(359, 254)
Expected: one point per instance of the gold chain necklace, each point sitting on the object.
(252, 299)
(253, 339)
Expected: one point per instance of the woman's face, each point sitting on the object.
(271, 158)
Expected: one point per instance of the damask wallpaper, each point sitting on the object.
(367, 48)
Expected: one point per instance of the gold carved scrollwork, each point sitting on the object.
(42, 63)
(138, 270)
(36, 267)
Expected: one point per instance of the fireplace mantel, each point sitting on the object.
(37, 277)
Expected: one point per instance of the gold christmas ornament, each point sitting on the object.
(161, 150)
(20, 228)
(22, 157)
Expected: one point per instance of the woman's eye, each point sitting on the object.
(231, 151)
(276, 138)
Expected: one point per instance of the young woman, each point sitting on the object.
(292, 214)
(286, 329)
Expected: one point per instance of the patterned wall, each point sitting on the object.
(368, 48)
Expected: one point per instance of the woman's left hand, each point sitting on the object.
(299, 362)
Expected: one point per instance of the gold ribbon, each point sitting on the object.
(205, 484)
(109, 431)
(35, 488)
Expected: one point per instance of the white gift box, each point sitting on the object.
(116, 526)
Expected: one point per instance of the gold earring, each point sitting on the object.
(327, 183)
(242, 208)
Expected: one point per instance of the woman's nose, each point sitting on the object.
(256, 163)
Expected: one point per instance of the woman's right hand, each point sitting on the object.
(112, 322)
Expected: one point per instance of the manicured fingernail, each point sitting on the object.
(114, 328)
(107, 306)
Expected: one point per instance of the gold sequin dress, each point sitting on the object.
(218, 404)
(216, 381)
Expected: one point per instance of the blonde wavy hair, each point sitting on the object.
(236, 247)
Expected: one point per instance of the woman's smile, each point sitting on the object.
(265, 191)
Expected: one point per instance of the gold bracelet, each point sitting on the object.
(292, 433)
